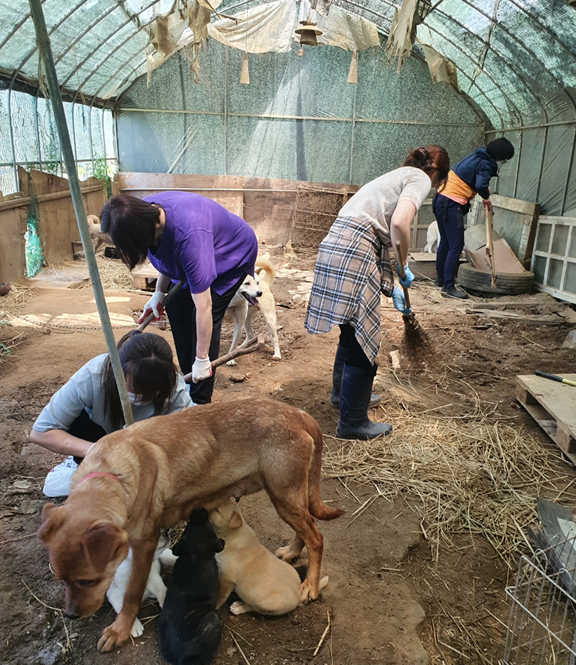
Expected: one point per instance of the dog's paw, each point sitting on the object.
(238, 608)
(137, 628)
(277, 356)
(231, 363)
(113, 636)
(286, 553)
(307, 593)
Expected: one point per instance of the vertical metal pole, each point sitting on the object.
(353, 125)
(37, 131)
(568, 173)
(542, 163)
(518, 165)
(225, 110)
(45, 53)
(14, 165)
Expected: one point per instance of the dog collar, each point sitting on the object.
(100, 473)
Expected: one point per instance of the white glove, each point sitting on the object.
(154, 306)
(201, 369)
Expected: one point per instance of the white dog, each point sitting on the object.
(155, 587)
(96, 235)
(255, 293)
(432, 238)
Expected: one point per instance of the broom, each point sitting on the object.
(415, 339)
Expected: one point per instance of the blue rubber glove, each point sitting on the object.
(399, 302)
(408, 276)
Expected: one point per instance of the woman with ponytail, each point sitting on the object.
(353, 269)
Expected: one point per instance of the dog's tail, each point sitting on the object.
(316, 506)
(268, 268)
(92, 220)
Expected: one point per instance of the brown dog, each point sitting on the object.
(154, 473)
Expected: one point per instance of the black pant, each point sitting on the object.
(85, 428)
(181, 313)
(357, 357)
(450, 218)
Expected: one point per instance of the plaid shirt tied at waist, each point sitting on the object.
(352, 269)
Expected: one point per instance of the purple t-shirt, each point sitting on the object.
(202, 244)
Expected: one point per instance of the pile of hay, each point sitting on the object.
(467, 474)
(114, 275)
(14, 302)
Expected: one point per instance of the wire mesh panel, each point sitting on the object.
(314, 213)
(542, 622)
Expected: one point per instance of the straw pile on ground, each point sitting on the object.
(465, 474)
(12, 303)
(113, 274)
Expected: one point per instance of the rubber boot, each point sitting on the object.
(439, 281)
(355, 394)
(342, 355)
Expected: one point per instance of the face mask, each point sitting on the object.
(136, 400)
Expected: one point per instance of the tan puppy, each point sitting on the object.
(154, 473)
(264, 583)
(97, 236)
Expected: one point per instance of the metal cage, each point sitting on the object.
(542, 622)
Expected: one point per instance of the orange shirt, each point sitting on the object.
(457, 190)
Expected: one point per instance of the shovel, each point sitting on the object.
(167, 298)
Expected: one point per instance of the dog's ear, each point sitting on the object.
(235, 521)
(103, 544)
(258, 270)
(50, 521)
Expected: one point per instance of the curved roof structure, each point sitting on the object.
(515, 59)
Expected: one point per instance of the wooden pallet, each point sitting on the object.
(553, 406)
(145, 277)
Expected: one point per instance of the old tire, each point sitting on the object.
(506, 282)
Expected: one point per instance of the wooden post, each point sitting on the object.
(489, 245)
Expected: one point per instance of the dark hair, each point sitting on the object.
(500, 149)
(148, 361)
(131, 223)
(433, 160)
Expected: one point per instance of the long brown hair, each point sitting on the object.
(148, 361)
(131, 223)
(433, 160)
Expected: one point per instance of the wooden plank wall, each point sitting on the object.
(57, 226)
(266, 204)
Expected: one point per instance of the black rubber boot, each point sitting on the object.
(342, 355)
(439, 281)
(453, 292)
(355, 394)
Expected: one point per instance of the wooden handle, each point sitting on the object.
(167, 298)
(400, 261)
(489, 245)
(249, 346)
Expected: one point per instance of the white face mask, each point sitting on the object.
(136, 400)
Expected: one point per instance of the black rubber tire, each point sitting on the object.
(506, 282)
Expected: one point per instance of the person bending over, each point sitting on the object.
(194, 239)
(88, 406)
(353, 268)
(469, 177)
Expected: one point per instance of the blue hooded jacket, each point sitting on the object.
(476, 170)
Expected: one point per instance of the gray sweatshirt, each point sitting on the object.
(84, 391)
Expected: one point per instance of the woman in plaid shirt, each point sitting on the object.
(353, 268)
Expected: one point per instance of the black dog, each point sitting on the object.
(189, 629)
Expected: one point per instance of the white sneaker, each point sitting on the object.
(57, 481)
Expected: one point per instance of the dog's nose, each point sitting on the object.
(70, 614)
(259, 294)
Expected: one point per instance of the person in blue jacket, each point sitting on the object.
(468, 177)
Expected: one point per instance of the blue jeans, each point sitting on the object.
(450, 218)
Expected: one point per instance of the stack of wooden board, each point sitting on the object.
(553, 406)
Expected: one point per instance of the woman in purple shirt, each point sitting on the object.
(194, 239)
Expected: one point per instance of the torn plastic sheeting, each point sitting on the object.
(403, 29)
(270, 28)
(441, 69)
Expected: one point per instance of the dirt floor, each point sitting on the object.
(399, 593)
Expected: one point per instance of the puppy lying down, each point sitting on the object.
(264, 583)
